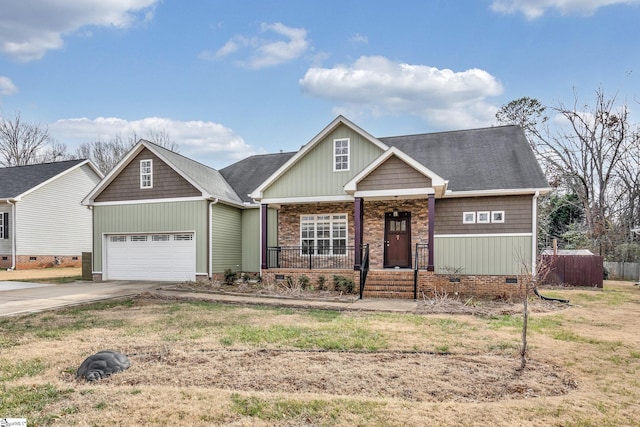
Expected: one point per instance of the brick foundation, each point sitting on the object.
(430, 284)
(273, 275)
(26, 262)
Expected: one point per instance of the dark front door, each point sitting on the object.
(397, 239)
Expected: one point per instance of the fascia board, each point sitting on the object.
(53, 178)
(497, 192)
(178, 171)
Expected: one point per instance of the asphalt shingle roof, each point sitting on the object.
(16, 180)
(495, 158)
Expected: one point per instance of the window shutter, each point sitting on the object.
(5, 222)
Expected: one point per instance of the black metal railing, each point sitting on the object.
(364, 268)
(421, 263)
(311, 257)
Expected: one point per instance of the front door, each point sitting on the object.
(397, 239)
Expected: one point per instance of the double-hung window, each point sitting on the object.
(341, 154)
(146, 173)
(323, 234)
(4, 225)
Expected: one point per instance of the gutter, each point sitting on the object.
(13, 233)
(210, 237)
(534, 232)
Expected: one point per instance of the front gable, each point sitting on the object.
(166, 182)
(394, 174)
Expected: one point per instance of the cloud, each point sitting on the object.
(359, 38)
(533, 9)
(208, 142)
(7, 87)
(443, 98)
(30, 28)
(265, 52)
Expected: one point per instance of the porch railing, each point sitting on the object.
(311, 257)
(364, 268)
(421, 263)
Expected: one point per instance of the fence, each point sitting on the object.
(573, 270)
(623, 270)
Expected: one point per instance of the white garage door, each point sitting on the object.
(168, 257)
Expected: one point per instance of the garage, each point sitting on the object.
(167, 256)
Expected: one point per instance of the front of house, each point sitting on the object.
(455, 210)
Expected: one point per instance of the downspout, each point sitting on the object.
(534, 232)
(13, 234)
(210, 237)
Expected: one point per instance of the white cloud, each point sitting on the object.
(7, 87)
(443, 98)
(265, 52)
(30, 28)
(359, 38)
(207, 142)
(533, 9)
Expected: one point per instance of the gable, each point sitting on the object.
(313, 174)
(394, 174)
(167, 183)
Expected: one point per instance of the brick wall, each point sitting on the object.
(25, 262)
(430, 284)
(269, 276)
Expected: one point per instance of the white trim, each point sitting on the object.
(464, 217)
(310, 199)
(64, 172)
(498, 192)
(335, 155)
(486, 235)
(494, 221)
(485, 221)
(331, 222)
(534, 232)
(143, 201)
(340, 120)
(411, 193)
(142, 175)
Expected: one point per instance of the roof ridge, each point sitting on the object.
(448, 131)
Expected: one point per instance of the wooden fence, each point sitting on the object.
(623, 270)
(573, 270)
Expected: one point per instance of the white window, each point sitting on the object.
(497, 216)
(483, 217)
(323, 234)
(468, 217)
(4, 225)
(142, 238)
(116, 239)
(146, 173)
(341, 154)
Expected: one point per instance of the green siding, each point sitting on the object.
(152, 218)
(495, 255)
(272, 227)
(251, 240)
(227, 238)
(313, 175)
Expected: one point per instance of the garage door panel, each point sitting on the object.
(168, 257)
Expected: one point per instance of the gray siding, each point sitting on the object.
(226, 225)
(5, 244)
(448, 216)
(493, 255)
(301, 180)
(51, 220)
(394, 174)
(153, 218)
(167, 183)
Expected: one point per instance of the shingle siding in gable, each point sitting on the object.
(167, 183)
(394, 174)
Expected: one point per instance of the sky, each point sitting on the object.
(229, 79)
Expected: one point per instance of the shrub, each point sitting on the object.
(322, 282)
(230, 276)
(343, 284)
(303, 281)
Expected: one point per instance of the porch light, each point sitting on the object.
(395, 212)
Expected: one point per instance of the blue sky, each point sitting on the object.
(227, 79)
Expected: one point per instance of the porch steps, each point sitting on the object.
(396, 284)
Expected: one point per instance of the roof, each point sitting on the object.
(17, 180)
(494, 158)
(247, 174)
(568, 252)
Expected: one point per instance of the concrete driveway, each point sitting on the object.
(22, 298)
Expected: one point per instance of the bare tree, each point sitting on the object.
(23, 143)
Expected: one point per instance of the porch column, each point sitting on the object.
(358, 213)
(264, 227)
(432, 223)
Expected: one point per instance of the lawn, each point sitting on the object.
(198, 364)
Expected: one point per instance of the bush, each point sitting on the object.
(322, 282)
(343, 284)
(303, 281)
(230, 276)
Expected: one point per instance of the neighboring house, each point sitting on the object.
(42, 221)
(455, 207)
(161, 216)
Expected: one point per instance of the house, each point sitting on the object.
(161, 216)
(42, 221)
(400, 215)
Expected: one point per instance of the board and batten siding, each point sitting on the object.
(251, 239)
(313, 175)
(490, 255)
(226, 223)
(52, 221)
(164, 217)
(167, 183)
(394, 174)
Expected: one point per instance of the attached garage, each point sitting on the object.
(166, 257)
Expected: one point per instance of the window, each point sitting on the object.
(146, 173)
(483, 217)
(141, 238)
(115, 239)
(497, 216)
(4, 225)
(160, 238)
(469, 218)
(341, 154)
(323, 234)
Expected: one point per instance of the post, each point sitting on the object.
(264, 227)
(358, 213)
(432, 223)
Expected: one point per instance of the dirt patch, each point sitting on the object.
(40, 273)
